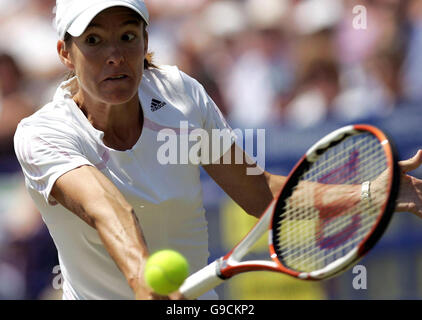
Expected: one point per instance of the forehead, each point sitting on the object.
(116, 15)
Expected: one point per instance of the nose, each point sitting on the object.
(115, 56)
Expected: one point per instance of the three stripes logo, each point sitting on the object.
(157, 105)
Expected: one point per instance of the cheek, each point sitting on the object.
(137, 62)
(87, 68)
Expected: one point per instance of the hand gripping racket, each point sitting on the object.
(334, 206)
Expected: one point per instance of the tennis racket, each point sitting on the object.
(333, 208)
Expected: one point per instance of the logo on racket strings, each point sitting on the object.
(339, 210)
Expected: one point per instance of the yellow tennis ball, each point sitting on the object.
(165, 271)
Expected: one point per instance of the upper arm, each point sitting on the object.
(45, 154)
(88, 193)
(252, 192)
(55, 166)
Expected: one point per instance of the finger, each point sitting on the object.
(409, 207)
(177, 296)
(406, 207)
(412, 163)
(155, 296)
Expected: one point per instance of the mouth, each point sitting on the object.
(117, 77)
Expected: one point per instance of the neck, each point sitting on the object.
(120, 123)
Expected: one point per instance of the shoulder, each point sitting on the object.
(59, 114)
(49, 137)
(54, 115)
(163, 73)
(171, 77)
(53, 122)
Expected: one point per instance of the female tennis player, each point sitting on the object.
(90, 156)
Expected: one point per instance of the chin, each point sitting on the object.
(117, 100)
(117, 92)
(118, 97)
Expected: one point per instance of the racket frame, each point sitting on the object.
(231, 264)
(379, 226)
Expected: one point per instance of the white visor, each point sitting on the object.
(74, 16)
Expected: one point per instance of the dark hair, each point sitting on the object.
(148, 62)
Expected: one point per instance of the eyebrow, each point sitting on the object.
(134, 22)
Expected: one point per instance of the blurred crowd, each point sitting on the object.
(292, 63)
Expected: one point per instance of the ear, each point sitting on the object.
(64, 55)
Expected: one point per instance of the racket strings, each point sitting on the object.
(310, 236)
(327, 232)
(332, 160)
(348, 228)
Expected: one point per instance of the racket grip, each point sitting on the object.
(201, 281)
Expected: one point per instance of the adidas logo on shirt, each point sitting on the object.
(157, 104)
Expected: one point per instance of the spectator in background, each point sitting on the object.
(260, 73)
(27, 253)
(14, 106)
(317, 81)
(317, 66)
(344, 73)
(371, 60)
(196, 56)
(411, 73)
(28, 36)
(216, 35)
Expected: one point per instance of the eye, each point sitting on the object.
(128, 37)
(92, 40)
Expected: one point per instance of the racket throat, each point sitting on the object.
(222, 264)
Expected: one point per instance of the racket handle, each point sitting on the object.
(201, 281)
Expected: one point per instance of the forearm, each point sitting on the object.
(274, 182)
(326, 197)
(335, 198)
(253, 193)
(121, 234)
(101, 205)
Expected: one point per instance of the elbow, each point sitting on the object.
(106, 206)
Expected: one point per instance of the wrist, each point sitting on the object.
(136, 278)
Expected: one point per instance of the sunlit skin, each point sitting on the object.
(113, 45)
